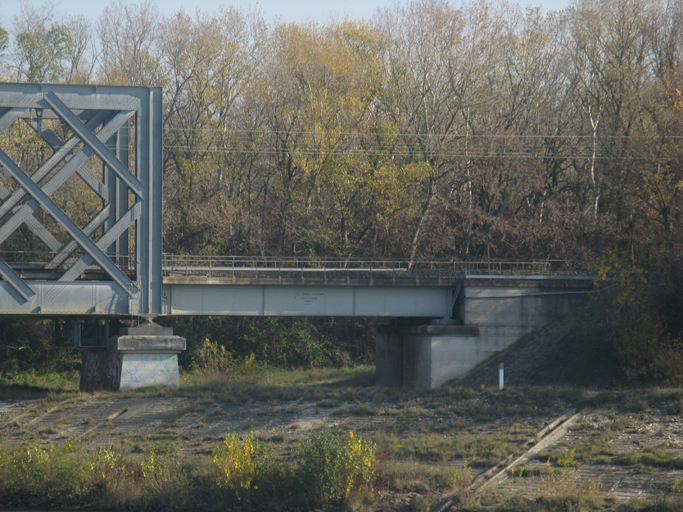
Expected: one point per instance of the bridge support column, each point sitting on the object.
(424, 356)
(142, 356)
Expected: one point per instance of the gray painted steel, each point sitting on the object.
(268, 297)
(94, 115)
(58, 299)
(307, 300)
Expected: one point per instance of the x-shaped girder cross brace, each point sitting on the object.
(38, 190)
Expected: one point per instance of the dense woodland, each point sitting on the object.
(434, 129)
(431, 130)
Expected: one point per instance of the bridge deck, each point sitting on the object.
(253, 286)
(244, 286)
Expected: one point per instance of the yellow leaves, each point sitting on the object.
(565, 479)
(567, 459)
(659, 197)
(330, 467)
(398, 187)
(331, 72)
(237, 463)
(149, 466)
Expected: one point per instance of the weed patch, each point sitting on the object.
(423, 479)
(331, 467)
(482, 449)
(653, 458)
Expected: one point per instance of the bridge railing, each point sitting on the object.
(361, 268)
(317, 267)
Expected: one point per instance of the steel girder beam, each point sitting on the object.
(79, 126)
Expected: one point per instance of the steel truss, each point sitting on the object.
(110, 138)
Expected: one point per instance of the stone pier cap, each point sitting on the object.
(147, 337)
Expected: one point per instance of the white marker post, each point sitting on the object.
(501, 378)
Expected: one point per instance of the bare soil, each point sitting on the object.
(612, 438)
(622, 444)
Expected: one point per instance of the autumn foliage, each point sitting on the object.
(432, 129)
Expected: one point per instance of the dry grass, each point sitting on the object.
(424, 437)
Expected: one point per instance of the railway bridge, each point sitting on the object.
(436, 318)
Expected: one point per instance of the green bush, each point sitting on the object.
(57, 473)
(213, 357)
(238, 463)
(26, 346)
(68, 476)
(281, 342)
(331, 467)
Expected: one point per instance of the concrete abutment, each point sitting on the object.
(495, 313)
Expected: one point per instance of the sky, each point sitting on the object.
(284, 10)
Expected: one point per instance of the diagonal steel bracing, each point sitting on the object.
(40, 197)
(129, 190)
(75, 163)
(95, 143)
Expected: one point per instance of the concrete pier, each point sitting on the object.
(424, 356)
(141, 356)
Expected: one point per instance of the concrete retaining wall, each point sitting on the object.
(496, 312)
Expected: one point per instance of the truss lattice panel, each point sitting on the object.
(80, 199)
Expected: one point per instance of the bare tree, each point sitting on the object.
(128, 37)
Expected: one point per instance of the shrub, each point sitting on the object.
(213, 357)
(68, 476)
(562, 488)
(331, 467)
(239, 463)
(26, 345)
(642, 313)
(58, 473)
(160, 468)
(282, 342)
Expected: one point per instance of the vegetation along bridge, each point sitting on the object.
(106, 143)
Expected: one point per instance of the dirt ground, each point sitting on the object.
(625, 445)
(560, 425)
